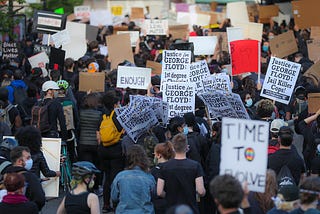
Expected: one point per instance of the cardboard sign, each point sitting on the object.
(252, 30)
(81, 12)
(315, 32)
(100, 17)
(314, 73)
(61, 38)
(245, 55)
(237, 12)
(91, 33)
(266, 12)
(175, 65)
(39, 60)
(10, 50)
(222, 40)
(77, 47)
(313, 102)
(156, 27)
(133, 77)
(116, 10)
(244, 151)
(199, 71)
(137, 13)
(91, 81)
(283, 44)
(252, 11)
(280, 80)
(218, 105)
(180, 98)
(41, 48)
(48, 22)
(305, 13)
(204, 45)
(178, 31)
(118, 55)
(313, 49)
(134, 36)
(156, 68)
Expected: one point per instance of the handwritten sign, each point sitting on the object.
(280, 80)
(156, 27)
(133, 77)
(244, 151)
(10, 50)
(81, 12)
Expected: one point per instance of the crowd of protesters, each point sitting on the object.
(172, 168)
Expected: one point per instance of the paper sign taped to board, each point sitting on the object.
(284, 44)
(133, 77)
(156, 27)
(244, 151)
(92, 81)
(204, 45)
(280, 80)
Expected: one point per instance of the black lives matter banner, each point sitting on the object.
(10, 50)
(49, 22)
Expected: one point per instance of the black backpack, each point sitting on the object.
(40, 116)
(19, 94)
(285, 177)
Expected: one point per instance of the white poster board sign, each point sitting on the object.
(180, 98)
(134, 36)
(234, 34)
(100, 17)
(156, 27)
(61, 38)
(133, 77)
(237, 12)
(244, 151)
(252, 30)
(204, 45)
(81, 12)
(199, 71)
(40, 60)
(280, 80)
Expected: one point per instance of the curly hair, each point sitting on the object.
(30, 137)
(165, 150)
(265, 108)
(137, 156)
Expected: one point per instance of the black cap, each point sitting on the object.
(289, 192)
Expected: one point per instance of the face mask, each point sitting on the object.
(185, 130)
(29, 164)
(270, 37)
(249, 102)
(55, 94)
(91, 184)
(152, 91)
(265, 48)
(155, 161)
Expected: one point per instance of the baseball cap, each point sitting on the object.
(50, 85)
(276, 124)
(289, 192)
(93, 67)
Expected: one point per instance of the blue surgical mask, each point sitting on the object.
(265, 48)
(29, 164)
(185, 130)
(249, 102)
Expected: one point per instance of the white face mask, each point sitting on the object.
(29, 164)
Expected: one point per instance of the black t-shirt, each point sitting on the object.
(179, 177)
(289, 157)
(315, 165)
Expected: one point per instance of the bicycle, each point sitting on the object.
(65, 168)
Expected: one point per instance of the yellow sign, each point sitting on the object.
(116, 10)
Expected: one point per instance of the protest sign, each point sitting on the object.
(313, 49)
(134, 36)
(237, 12)
(56, 56)
(178, 31)
(313, 102)
(237, 104)
(252, 30)
(41, 48)
(48, 22)
(219, 81)
(200, 19)
(234, 34)
(137, 13)
(252, 11)
(47, 39)
(218, 105)
(315, 32)
(156, 68)
(198, 72)
(156, 27)
(266, 12)
(92, 81)
(82, 11)
(204, 45)
(282, 17)
(280, 80)
(245, 55)
(61, 38)
(305, 13)
(181, 7)
(180, 98)
(175, 65)
(116, 10)
(183, 18)
(283, 44)
(91, 33)
(222, 40)
(314, 73)
(133, 77)
(100, 17)
(39, 60)
(118, 55)
(244, 151)
(10, 50)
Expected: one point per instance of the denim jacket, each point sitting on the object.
(132, 190)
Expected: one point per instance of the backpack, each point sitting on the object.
(40, 116)
(4, 115)
(285, 177)
(68, 114)
(19, 94)
(109, 133)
